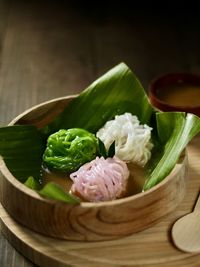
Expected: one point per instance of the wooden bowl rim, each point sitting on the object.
(20, 186)
(27, 111)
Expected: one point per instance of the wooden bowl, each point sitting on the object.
(87, 221)
(176, 92)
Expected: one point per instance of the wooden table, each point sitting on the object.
(51, 50)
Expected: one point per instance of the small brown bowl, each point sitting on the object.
(176, 92)
(87, 221)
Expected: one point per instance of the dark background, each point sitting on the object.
(50, 49)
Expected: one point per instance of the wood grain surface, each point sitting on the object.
(55, 49)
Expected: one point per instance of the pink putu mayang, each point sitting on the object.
(100, 180)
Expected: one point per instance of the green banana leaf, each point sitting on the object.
(51, 190)
(22, 147)
(175, 130)
(32, 183)
(114, 93)
(55, 192)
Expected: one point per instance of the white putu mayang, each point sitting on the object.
(132, 139)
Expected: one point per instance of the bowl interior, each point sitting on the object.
(176, 92)
(87, 221)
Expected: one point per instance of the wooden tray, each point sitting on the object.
(152, 247)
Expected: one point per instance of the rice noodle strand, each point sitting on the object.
(132, 140)
(101, 179)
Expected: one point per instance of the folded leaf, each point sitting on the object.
(54, 191)
(116, 92)
(111, 150)
(32, 183)
(175, 130)
(22, 148)
(102, 149)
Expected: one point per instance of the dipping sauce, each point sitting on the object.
(176, 92)
(180, 95)
(62, 179)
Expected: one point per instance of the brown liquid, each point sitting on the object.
(136, 179)
(180, 95)
(62, 179)
(134, 186)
